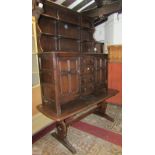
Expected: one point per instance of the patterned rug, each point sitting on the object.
(112, 110)
(84, 142)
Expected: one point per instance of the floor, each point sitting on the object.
(93, 135)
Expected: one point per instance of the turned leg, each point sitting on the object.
(61, 135)
(102, 112)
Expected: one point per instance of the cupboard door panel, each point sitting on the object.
(68, 69)
(74, 81)
(64, 81)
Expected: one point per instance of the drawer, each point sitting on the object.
(46, 77)
(48, 43)
(68, 30)
(68, 16)
(87, 46)
(47, 25)
(69, 45)
(87, 70)
(87, 60)
(87, 79)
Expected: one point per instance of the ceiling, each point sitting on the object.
(99, 10)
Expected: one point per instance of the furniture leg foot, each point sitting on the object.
(61, 136)
(65, 142)
(102, 112)
(109, 118)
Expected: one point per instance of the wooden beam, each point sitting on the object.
(104, 10)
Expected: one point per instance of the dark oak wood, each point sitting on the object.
(104, 10)
(73, 76)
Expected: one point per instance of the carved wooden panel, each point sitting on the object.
(100, 73)
(69, 81)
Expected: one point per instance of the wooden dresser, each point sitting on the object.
(73, 69)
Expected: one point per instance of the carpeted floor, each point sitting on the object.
(112, 110)
(94, 135)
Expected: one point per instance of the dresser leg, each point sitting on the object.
(61, 136)
(102, 112)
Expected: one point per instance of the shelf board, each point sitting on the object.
(69, 22)
(49, 16)
(87, 41)
(48, 34)
(65, 37)
(84, 27)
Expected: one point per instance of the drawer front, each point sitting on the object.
(46, 77)
(87, 69)
(69, 16)
(68, 30)
(69, 45)
(87, 60)
(48, 43)
(86, 79)
(47, 25)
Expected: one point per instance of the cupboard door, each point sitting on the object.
(100, 74)
(69, 82)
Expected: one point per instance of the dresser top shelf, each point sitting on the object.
(76, 106)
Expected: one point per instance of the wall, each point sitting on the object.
(115, 72)
(36, 99)
(110, 32)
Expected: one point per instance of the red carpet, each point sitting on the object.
(100, 132)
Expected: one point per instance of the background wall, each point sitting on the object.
(110, 32)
